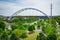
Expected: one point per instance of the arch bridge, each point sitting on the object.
(21, 10)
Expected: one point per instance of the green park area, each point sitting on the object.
(30, 28)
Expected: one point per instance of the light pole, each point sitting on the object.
(51, 10)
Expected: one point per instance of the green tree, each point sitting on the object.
(4, 36)
(52, 21)
(2, 25)
(19, 23)
(31, 19)
(1, 31)
(1, 19)
(21, 27)
(31, 28)
(41, 37)
(26, 26)
(22, 19)
(57, 18)
(13, 37)
(41, 22)
(24, 35)
(52, 37)
(38, 27)
(7, 31)
(18, 32)
(14, 26)
(15, 20)
(49, 29)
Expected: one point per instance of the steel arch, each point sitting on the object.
(21, 10)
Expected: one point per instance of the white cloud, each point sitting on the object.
(9, 8)
(43, 5)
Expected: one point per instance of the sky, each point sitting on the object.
(9, 7)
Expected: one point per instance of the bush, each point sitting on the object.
(15, 20)
(52, 37)
(4, 36)
(2, 25)
(31, 28)
(13, 26)
(1, 31)
(41, 37)
(57, 18)
(21, 27)
(26, 26)
(1, 19)
(24, 35)
(49, 29)
(31, 19)
(8, 31)
(18, 32)
(13, 37)
(41, 22)
(38, 27)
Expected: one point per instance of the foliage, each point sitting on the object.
(31, 19)
(31, 28)
(24, 35)
(4, 36)
(13, 26)
(2, 25)
(13, 37)
(52, 21)
(41, 37)
(52, 37)
(15, 20)
(38, 27)
(26, 26)
(1, 19)
(8, 31)
(41, 22)
(21, 27)
(57, 18)
(35, 24)
(19, 23)
(22, 19)
(49, 29)
(1, 31)
(18, 32)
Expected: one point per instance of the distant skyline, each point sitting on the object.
(8, 7)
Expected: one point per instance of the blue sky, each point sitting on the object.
(8, 7)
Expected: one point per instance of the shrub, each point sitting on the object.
(49, 29)
(24, 35)
(13, 37)
(38, 27)
(57, 18)
(31, 28)
(51, 37)
(8, 31)
(2, 25)
(1, 31)
(41, 37)
(15, 20)
(13, 26)
(18, 32)
(4, 36)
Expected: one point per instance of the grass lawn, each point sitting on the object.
(32, 36)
